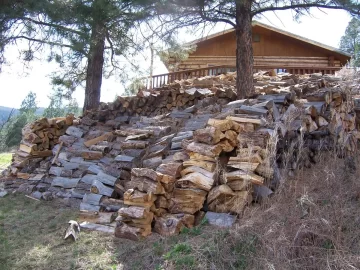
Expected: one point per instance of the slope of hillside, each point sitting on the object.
(5, 112)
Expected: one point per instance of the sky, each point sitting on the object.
(16, 80)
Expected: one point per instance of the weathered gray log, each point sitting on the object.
(94, 169)
(106, 179)
(97, 227)
(55, 171)
(65, 182)
(146, 172)
(89, 207)
(251, 110)
(92, 198)
(74, 131)
(99, 188)
(88, 179)
(123, 158)
(152, 163)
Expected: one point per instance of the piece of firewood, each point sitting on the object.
(94, 141)
(207, 165)
(204, 149)
(198, 169)
(245, 166)
(196, 180)
(99, 188)
(168, 226)
(137, 198)
(208, 135)
(57, 153)
(172, 169)
(241, 175)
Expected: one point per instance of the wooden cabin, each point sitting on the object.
(273, 49)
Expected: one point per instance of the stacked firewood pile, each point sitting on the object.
(135, 175)
(39, 138)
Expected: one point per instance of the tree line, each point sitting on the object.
(11, 128)
(90, 39)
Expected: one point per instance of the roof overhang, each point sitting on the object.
(277, 30)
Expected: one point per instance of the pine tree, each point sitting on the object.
(350, 42)
(87, 38)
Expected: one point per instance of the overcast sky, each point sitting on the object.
(325, 26)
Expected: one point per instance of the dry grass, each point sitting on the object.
(312, 222)
(5, 160)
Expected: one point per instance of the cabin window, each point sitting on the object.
(256, 38)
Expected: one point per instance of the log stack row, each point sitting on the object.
(38, 140)
(163, 173)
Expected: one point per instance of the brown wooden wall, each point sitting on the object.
(273, 47)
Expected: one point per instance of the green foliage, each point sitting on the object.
(350, 42)
(134, 87)
(11, 133)
(175, 54)
(243, 249)
(28, 105)
(57, 108)
(180, 255)
(70, 31)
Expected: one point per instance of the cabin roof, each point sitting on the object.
(271, 28)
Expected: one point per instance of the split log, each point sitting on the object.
(99, 188)
(92, 198)
(136, 212)
(207, 165)
(247, 176)
(187, 200)
(226, 146)
(197, 169)
(145, 172)
(168, 225)
(145, 184)
(96, 140)
(74, 131)
(245, 120)
(256, 138)
(65, 182)
(106, 179)
(245, 166)
(204, 149)
(97, 227)
(196, 180)
(97, 218)
(209, 135)
(137, 198)
(91, 155)
(222, 125)
(197, 156)
(172, 169)
(124, 231)
(223, 200)
(152, 163)
(86, 207)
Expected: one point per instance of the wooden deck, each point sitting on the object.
(162, 79)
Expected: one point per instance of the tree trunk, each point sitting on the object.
(151, 65)
(244, 49)
(95, 67)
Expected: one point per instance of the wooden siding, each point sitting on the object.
(273, 49)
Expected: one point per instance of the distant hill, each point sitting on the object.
(5, 112)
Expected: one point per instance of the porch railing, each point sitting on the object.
(158, 81)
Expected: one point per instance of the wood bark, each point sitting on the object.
(95, 64)
(244, 49)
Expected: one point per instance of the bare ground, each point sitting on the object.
(313, 222)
